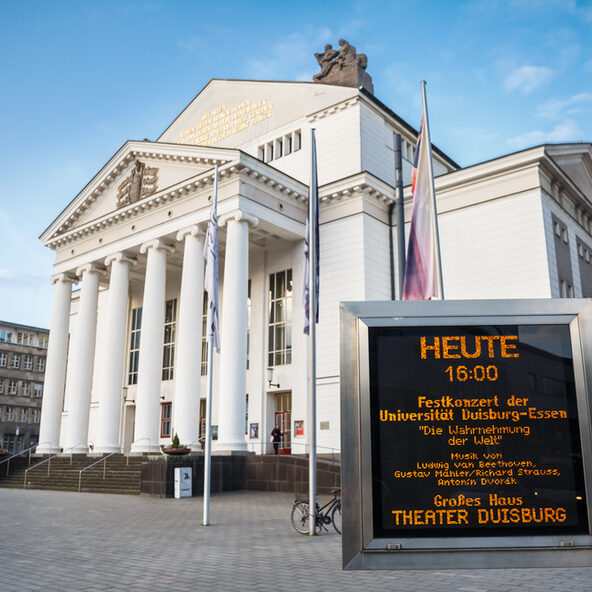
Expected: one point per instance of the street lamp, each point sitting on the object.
(270, 377)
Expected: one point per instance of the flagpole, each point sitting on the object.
(208, 447)
(212, 297)
(312, 280)
(431, 166)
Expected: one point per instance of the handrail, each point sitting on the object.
(48, 460)
(7, 460)
(96, 462)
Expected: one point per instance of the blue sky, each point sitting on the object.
(79, 78)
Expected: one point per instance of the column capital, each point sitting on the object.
(120, 258)
(156, 244)
(89, 268)
(239, 216)
(63, 277)
(193, 230)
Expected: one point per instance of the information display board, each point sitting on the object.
(473, 433)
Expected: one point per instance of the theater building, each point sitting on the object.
(127, 362)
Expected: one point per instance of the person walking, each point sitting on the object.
(276, 438)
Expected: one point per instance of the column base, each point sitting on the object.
(142, 448)
(47, 449)
(98, 450)
(77, 450)
(229, 446)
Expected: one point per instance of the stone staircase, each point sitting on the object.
(122, 475)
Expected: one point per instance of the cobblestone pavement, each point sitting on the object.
(62, 542)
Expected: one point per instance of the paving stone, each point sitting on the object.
(58, 541)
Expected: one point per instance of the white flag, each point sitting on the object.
(211, 277)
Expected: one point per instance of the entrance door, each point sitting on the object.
(283, 419)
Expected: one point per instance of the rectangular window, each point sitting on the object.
(9, 414)
(6, 335)
(261, 153)
(165, 420)
(40, 364)
(134, 356)
(23, 338)
(280, 318)
(3, 359)
(1, 386)
(23, 414)
(43, 341)
(16, 361)
(288, 144)
(37, 390)
(297, 144)
(36, 415)
(26, 391)
(204, 337)
(168, 354)
(12, 387)
(279, 145)
(28, 363)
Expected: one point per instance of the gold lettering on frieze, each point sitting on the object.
(223, 122)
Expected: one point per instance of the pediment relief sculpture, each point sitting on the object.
(140, 183)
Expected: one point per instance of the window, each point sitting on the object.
(269, 152)
(132, 377)
(3, 359)
(297, 143)
(26, 390)
(287, 144)
(23, 414)
(12, 387)
(6, 335)
(28, 363)
(246, 415)
(165, 420)
(279, 147)
(36, 415)
(280, 318)
(168, 354)
(10, 414)
(1, 386)
(25, 338)
(43, 341)
(261, 153)
(40, 364)
(248, 322)
(204, 337)
(16, 361)
(37, 390)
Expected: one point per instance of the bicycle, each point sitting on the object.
(330, 513)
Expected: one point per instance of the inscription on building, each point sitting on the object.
(223, 122)
(475, 432)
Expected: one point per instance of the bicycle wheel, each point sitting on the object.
(300, 517)
(336, 518)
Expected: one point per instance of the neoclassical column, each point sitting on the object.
(233, 333)
(80, 366)
(147, 433)
(112, 355)
(55, 367)
(189, 333)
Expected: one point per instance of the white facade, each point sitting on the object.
(498, 224)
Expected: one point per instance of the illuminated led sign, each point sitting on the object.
(466, 430)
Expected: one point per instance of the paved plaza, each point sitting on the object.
(60, 541)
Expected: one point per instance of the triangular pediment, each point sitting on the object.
(231, 113)
(576, 162)
(135, 172)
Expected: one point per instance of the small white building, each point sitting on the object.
(133, 371)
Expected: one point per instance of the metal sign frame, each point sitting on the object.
(360, 550)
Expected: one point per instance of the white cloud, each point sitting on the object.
(528, 78)
(568, 131)
(559, 108)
